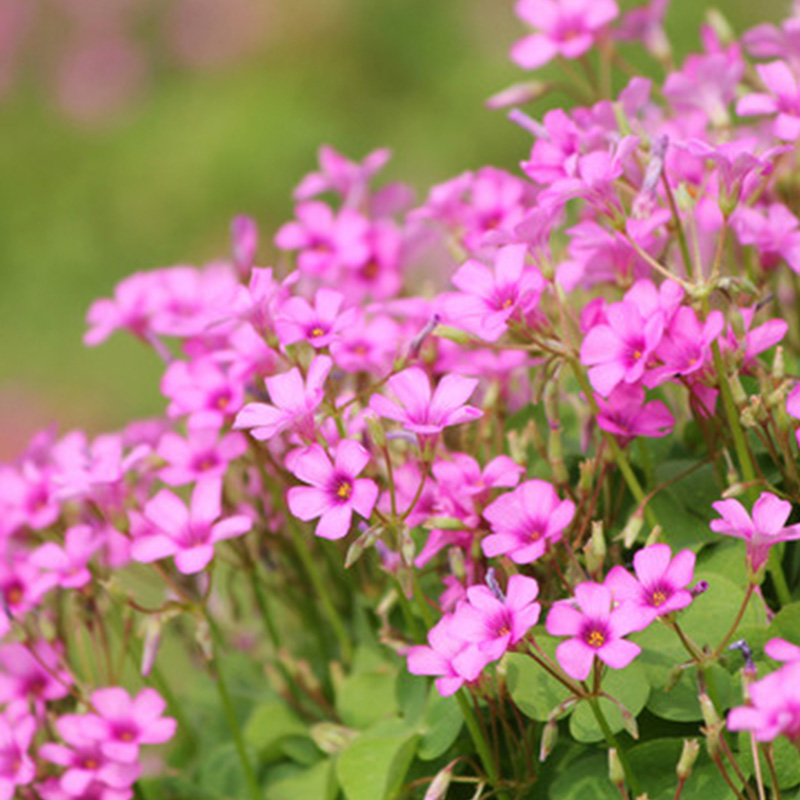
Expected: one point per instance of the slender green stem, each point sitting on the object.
(612, 742)
(621, 459)
(263, 605)
(676, 218)
(321, 590)
(478, 739)
(230, 713)
(729, 635)
(773, 775)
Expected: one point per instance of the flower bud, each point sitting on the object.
(616, 772)
(778, 365)
(595, 548)
(632, 528)
(376, 432)
(549, 739)
(588, 470)
(653, 536)
(691, 749)
(419, 340)
(363, 543)
(518, 93)
(244, 238)
(713, 724)
(441, 783)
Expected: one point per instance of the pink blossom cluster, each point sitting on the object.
(465, 387)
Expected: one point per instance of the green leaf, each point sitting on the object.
(220, 773)
(787, 762)
(317, 783)
(412, 696)
(654, 764)
(629, 686)
(680, 703)
(585, 778)
(786, 623)
(268, 725)
(440, 727)
(535, 692)
(374, 766)
(366, 697)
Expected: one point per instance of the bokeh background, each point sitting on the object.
(131, 131)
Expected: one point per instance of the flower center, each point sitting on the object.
(595, 638)
(637, 354)
(344, 490)
(90, 763)
(535, 535)
(659, 596)
(14, 595)
(127, 736)
(317, 332)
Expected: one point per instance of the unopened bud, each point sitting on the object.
(721, 27)
(549, 739)
(494, 586)
(408, 550)
(202, 635)
(528, 124)
(444, 524)
(588, 470)
(595, 548)
(699, 588)
(331, 738)
(517, 94)
(653, 536)
(778, 365)
(457, 562)
(691, 749)
(419, 340)
(441, 783)
(616, 772)
(453, 334)
(363, 543)
(632, 528)
(710, 715)
(244, 238)
(747, 653)
(376, 432)
(737, 390)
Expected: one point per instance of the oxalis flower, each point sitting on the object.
(334, 491)
(596, 629)
(659, 587)
(764, 529)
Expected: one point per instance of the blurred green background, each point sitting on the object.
(85, 201)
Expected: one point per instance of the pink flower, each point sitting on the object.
(619, 350)
(783, 100)
(659, 587)
(773, 230)
(123, 723)
(596, 629)
(765, 529)
(83, 757)
(294, 403)
(17, 730)
(526, 522)
(781, 650)
(626, 414)
(448, 656)
(297, 321)
(567, 28)
(349, 179)
(418, 411)
(334, 491)
(496, 623)
(188, 534)
(774, 707)
(202, 454)
(28, 677)
(67, 565)
(489, 299)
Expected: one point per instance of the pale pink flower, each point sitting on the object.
(17, 730)
(762, 531)
(39, 678)
(188, 534)
(334, 491)
(294, 403)
(204, 453)
(626, 414)
(659, 587)
(596, 629)
(67, 566)
(783, 100)
(320, 325)
(349, 179)
(567, 28)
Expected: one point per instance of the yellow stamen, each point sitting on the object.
(658, 597)
(344, 491)
(596, 639)
(316, 332)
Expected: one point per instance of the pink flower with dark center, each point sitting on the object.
(659, 587)
(334, 491)
(188, 534)
(83, 758)
(349, 179)
(39, 678)
(448, 656)
(489, 299)
(596, 629)
(762, 531)
(294, 403)
(496, 623)
(421, 413)
(298, 321)
(773, 230)
(619, 351)
(774, 707)
(567, 28)
(202, 454)
(526, 522)
(124, 723)
(626, 414)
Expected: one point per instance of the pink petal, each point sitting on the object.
(335, 522)
(619, 653)
(564, 620)
(576, 658)
(207, 500)
(594, 599)
(313, 466)
(413, 391)
(152, 548)
(167, 511)
(351, 457)
(364, 496)
(681, 571)
(194, 559)
(286, 390)
(230, 527)
(770, 513)
(306, 502)
(112, 703)
(520, 591)
(651, 563)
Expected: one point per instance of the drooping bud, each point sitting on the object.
(653, 536)
(778, 365)
(364, 542)
(549, 739)
(528, 124)
(441, 783)
(616, 772)
(494, 586)
(691, 749)
(244, 238)
(632, 528)
(518, 93)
